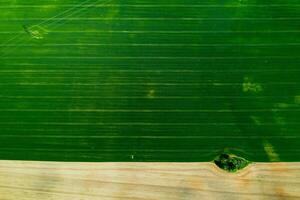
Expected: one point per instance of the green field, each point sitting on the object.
(142, 80)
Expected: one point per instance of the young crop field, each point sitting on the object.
(145, 80)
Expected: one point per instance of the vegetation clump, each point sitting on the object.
(230, 162)
(35, 31)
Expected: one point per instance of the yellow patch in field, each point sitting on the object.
(270, 151)
(249, 86)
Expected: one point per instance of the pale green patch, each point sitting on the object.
(251, 87)
(270, 151)
(282, 105)
(279, 120)
(242, 1)
(151, 94)
(297, 99)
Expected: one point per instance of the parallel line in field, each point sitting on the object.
(145, 97)
(134, 150)
(149, 5)
(151, 110)
(114, 133)
(69, 12)
(103, 150)
(153, 18)
(150, 137)
(97, 70)
(150, 57)
(120, 67)
(137, 84)
(153, 44)
(159, 31)
(141, 123)
(176, 31)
